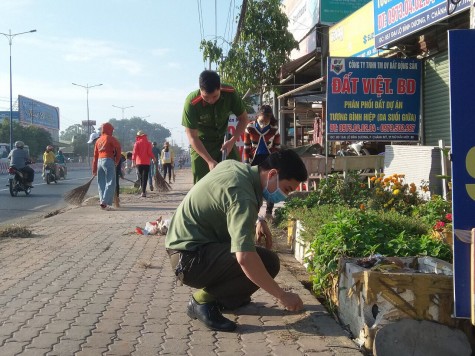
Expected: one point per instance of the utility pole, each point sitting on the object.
(87, 87)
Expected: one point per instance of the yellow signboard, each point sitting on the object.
(354, 35)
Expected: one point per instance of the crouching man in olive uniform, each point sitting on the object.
(211, 237)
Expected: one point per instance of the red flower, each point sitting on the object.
(439, 226)
(448, 217)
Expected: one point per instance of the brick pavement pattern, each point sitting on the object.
(87, 284)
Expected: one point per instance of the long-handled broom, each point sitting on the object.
(76, 195)
(136, 182)
(161, 183)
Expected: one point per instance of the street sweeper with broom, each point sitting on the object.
(107, 153)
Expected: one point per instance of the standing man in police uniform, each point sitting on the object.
(205, 118)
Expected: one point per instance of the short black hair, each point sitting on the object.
(209, 81)
(288, 163)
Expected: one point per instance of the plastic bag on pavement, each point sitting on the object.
(157, 227)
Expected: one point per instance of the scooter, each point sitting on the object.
(50, 174)
(17, 182)
(61, 172)
(354, 149)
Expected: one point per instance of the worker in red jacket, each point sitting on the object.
(142, 155)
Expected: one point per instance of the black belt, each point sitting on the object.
(171, 251)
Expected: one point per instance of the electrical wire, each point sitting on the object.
(200, 19)
(215, 20)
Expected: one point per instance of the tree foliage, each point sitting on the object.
(70, 132)
(125, 131)
(264, 45)
(35, 137)
(211, 52)
(80, 145)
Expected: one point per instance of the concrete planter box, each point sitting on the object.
(368, 300)
(300, 247)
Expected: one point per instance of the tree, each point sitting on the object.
(211, 52)
(263, 46)
(125, 131)
(80, 145)
(70, 132)
(35, 137)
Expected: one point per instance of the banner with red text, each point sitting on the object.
(373, 99)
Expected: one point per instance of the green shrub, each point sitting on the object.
(349, 219)
(342, 232)
(433, 210)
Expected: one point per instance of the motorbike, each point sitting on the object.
(61, 172)
(17, 182)
(354, 149)
(50, 174)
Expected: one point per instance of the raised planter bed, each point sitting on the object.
(369, 299)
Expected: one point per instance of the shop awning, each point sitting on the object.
(314, 83)
(297, 65)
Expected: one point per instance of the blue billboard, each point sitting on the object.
(396, 19)
(33, 112)
(462, 126)
(6, 115)
(373, 99)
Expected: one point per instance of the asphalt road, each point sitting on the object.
(44, 198)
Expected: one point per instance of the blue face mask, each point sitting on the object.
(276, 196)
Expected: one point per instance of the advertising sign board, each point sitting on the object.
(354, 35)
(333, 11)
(304, 15)
(33, 112)
(395, 19)
(6, 115)
(462, 126)
(373, 99)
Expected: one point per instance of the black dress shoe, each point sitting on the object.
(210, 315)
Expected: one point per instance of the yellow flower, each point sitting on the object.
(396, 191)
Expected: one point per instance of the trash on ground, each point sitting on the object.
(157, 227)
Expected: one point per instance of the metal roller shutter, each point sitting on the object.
(436, 106)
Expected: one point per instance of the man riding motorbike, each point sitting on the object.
(61, 161)
(20, 160)
(49, 160)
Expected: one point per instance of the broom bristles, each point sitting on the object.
(76, 195)
(161, 183)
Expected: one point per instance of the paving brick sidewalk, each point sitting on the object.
(87, 284)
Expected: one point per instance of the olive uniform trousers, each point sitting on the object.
(214, 268)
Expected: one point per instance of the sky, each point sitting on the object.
(145, 53)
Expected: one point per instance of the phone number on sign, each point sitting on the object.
(397, 128)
